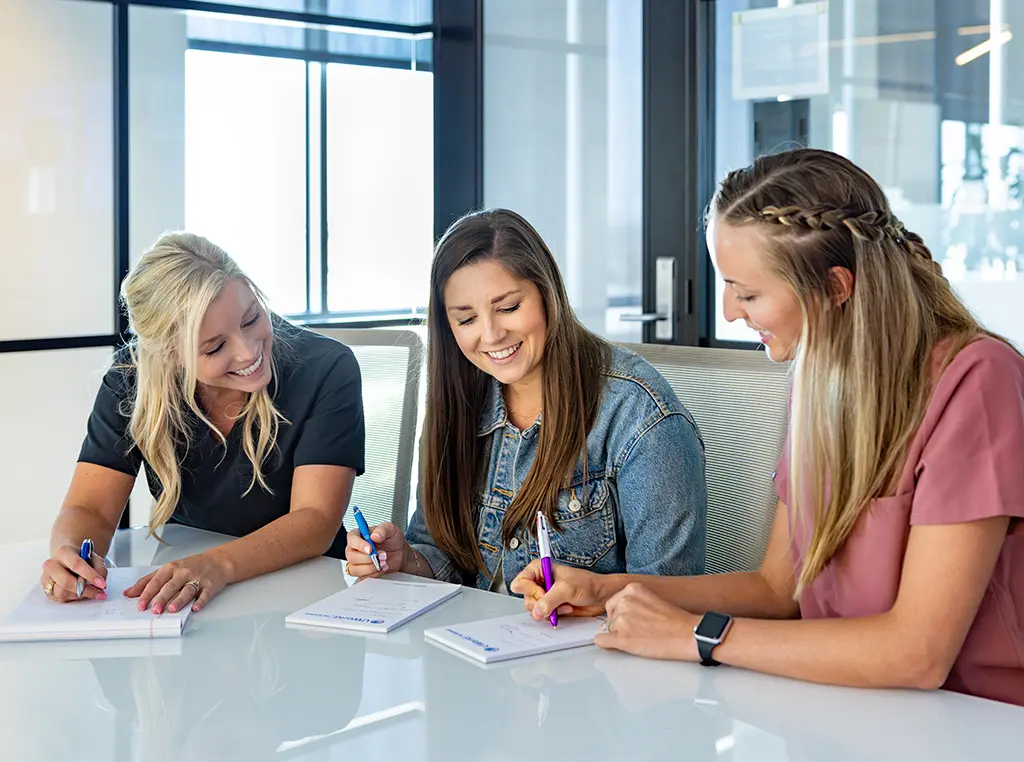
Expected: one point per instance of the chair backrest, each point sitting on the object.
(390, 361)
(739, 400)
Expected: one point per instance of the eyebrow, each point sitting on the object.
(495, 300)
(218, 337)
(734, 282)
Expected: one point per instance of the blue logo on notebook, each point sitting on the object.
(474, 641)
(361, 620)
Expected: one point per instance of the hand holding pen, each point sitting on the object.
(75, 572)
(544, 543)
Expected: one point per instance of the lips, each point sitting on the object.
(252, 369)
(504, 354)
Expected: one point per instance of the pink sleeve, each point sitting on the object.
(971, 466)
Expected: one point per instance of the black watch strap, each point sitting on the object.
(705, 649)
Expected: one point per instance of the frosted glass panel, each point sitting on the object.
(563, 142)
(41, 442)
(56, 176)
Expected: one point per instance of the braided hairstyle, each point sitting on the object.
(862, 365)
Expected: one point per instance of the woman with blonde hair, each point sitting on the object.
(246, 426)
(898, 539)
(528, 411)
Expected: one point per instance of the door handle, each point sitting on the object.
(664, 316)
(643, 317)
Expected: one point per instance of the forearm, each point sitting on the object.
(865, 652)
(75, 523)
(299, 535)
(741, 594)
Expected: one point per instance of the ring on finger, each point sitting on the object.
(347, 572)
(607, 626)
(48, 590)
(194, 583)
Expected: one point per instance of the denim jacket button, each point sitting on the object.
(513, 543)
(575, 505)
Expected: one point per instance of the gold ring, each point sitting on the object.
(195, 584)
(49, 588)
(347, 573)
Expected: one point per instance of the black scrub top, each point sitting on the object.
(318, 390)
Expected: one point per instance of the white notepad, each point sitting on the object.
(516, 636)
(39, 618)
(375, 605)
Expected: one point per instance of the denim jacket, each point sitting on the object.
(642, 508)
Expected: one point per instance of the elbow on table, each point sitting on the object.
(927, 669)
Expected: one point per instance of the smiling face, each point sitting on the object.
(753, 293)
(235, 339)
(498, 320)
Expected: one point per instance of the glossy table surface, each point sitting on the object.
(241, 686)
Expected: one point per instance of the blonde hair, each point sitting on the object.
(166, 296)
(862, 367)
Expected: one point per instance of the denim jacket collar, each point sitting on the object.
(494, 414)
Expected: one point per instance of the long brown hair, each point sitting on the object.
(453, 456)
(861, 370)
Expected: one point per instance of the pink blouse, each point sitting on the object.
(966, 463)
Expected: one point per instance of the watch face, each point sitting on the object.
(712, 625)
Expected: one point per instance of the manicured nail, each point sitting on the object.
(158, 610)
(382, 556)
(384, 567)
(142, 606)
(101, 596)
(100, 582)
(172, 608)
(366, 550)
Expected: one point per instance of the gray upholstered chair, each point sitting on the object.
(390, 361)
(739, 400)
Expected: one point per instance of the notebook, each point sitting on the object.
(375, 605)
(516, 636)
(39, 618)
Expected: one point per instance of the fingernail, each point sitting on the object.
(366, 550)
(384, 567)
(382, 556)
(172, 608)
(101, 596)
(100, 582)
(157, 610)
(142, 606)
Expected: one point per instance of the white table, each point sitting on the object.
(240, 686)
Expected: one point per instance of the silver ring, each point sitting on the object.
(195, 584)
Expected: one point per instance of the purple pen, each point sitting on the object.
(544, 542)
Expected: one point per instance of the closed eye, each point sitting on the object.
(510, 310)
(252, 322)
(215, 350)
(745, 298)
(467, 321)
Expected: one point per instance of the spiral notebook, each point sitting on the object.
(39, 618)
(375, 605)
(516, 636)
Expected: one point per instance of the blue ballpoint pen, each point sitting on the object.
(86, 554)
(364, 531)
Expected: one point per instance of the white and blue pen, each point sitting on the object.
(364, 532)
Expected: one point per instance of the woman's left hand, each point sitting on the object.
(641, 623)
(187, 581)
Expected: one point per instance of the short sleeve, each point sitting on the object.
(107, 441)
(334, 433)
(971, 465)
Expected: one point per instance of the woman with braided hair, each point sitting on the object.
(896, 557)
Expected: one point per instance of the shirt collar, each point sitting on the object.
(494, 414)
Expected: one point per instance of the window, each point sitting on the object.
(305, 152)
(923, 96)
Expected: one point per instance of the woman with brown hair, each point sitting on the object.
(898, 539)
(529, 411)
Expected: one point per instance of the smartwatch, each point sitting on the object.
(709, 633)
